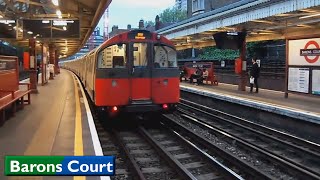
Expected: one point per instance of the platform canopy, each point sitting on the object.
(261, 19)
(65, 24)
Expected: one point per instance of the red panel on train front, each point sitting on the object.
(141, 88)
(110, 93)
(165, 90)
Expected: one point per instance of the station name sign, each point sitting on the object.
(309, 52)
(59, 165)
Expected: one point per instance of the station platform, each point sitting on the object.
(298, 106)
(57, 122)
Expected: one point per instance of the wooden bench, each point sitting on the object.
(190, 68)
(11, 96)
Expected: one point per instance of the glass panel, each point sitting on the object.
(113, 57)
(140, 55)
(165, 57)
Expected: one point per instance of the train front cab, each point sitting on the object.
(137, 77)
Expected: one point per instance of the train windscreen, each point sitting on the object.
(164, 57)
(113, 57)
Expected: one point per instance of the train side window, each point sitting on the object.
(113, 56)
(165, 57)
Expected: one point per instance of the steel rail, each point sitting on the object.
(226, 156)
(226, 171)
(275, 157)
(297, 140)
(134, 165)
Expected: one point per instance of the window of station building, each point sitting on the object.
(197, 6)
(165, 57)
(113, 57)
(140, 55)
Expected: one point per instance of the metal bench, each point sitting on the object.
(191, 68)
(12, 97)
(10, 102)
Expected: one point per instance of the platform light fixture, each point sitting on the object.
(309, 16)
(45, 21)
(58, 12)
(64, 28)
(30, 32)
(55, 2)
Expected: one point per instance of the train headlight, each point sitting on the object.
(165, 82)
(158, 36)
(114, 83)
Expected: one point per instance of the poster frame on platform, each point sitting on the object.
(303, 65)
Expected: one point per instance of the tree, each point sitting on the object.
(213, 53)
(172, 15)
(149, 23)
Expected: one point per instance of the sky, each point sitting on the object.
(124, 12)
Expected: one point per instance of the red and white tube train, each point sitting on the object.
(134, 71)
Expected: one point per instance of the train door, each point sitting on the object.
(140, 74)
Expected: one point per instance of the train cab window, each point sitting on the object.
(164, 57)
(112, 57)
(140, 55)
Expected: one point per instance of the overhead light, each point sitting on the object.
(58, 12)
(9, 25)
(45, 21)
(313, 15)
(60, 17)
(30, 32)
(21, 30)
(263, 21)
(55, 2)
(64, 28)
(38, 41)
(1, 16)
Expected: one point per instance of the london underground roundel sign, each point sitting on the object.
(314, 53)
(311, 54)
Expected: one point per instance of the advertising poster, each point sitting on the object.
(304, 52)
(316, 81)
(298, 80)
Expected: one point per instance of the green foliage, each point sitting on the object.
(150, 23)
(252, 49)
(172, 15)
(212, 53)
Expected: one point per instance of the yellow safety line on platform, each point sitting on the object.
(78, 142)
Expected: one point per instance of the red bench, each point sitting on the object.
(190, 68)
(11, 96)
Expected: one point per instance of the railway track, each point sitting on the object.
(156, 152)
(280, 155)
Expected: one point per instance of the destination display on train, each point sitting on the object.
(141, 35)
